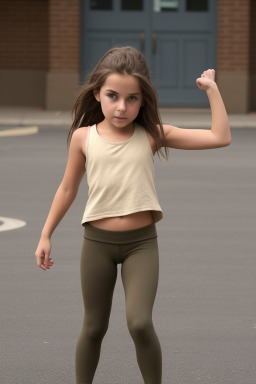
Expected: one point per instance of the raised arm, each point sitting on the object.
(64, 196)
(218, 136)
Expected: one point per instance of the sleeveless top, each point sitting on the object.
(120, 176)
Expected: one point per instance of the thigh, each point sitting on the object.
(140, 272)
(98, 277)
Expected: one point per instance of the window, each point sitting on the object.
(197, 5)
(101, 5)
(132, 5)
(166, 5)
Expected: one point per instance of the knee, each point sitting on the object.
(95, 332)
(140, 329)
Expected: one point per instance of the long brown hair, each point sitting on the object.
(122, 60)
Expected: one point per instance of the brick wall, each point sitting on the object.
(253, 37)
(62, 78)
(253, 57)
(24, 34)
(233, 35)
(40, 34)
(64, 34)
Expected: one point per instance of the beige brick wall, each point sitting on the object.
(23, 87)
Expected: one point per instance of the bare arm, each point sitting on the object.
(64, 196)
(218, 136)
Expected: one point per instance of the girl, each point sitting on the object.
(115, 134)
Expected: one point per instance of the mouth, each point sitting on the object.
(120, 118)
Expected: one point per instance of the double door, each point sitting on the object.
(177, 38)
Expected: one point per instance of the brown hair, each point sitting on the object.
(123, 60)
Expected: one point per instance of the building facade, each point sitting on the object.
(47, 48)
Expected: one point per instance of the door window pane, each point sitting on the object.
(132, 5)
(197, 5)
(166, 5)
(101, 5)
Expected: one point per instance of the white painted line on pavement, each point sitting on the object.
(7, 224)
(24, 131)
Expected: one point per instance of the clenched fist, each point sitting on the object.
(206, 80)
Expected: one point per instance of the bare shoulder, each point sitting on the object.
(79, 139)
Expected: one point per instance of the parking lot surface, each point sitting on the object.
(204, 313)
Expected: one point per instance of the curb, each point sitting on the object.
(185, 118)
(11, 117)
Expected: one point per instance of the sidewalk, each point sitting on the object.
(182, 117)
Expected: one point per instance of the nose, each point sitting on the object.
(121, 106)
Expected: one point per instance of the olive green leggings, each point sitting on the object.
(137, 251)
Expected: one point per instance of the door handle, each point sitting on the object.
(154, 42)
(142, 41)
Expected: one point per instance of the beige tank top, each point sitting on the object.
(120, 176)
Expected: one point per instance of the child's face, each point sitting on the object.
(120, 99)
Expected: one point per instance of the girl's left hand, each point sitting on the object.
(206, 80)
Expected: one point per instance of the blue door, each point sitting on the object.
(177, 38)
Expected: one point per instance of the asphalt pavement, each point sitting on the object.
(204, 313)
